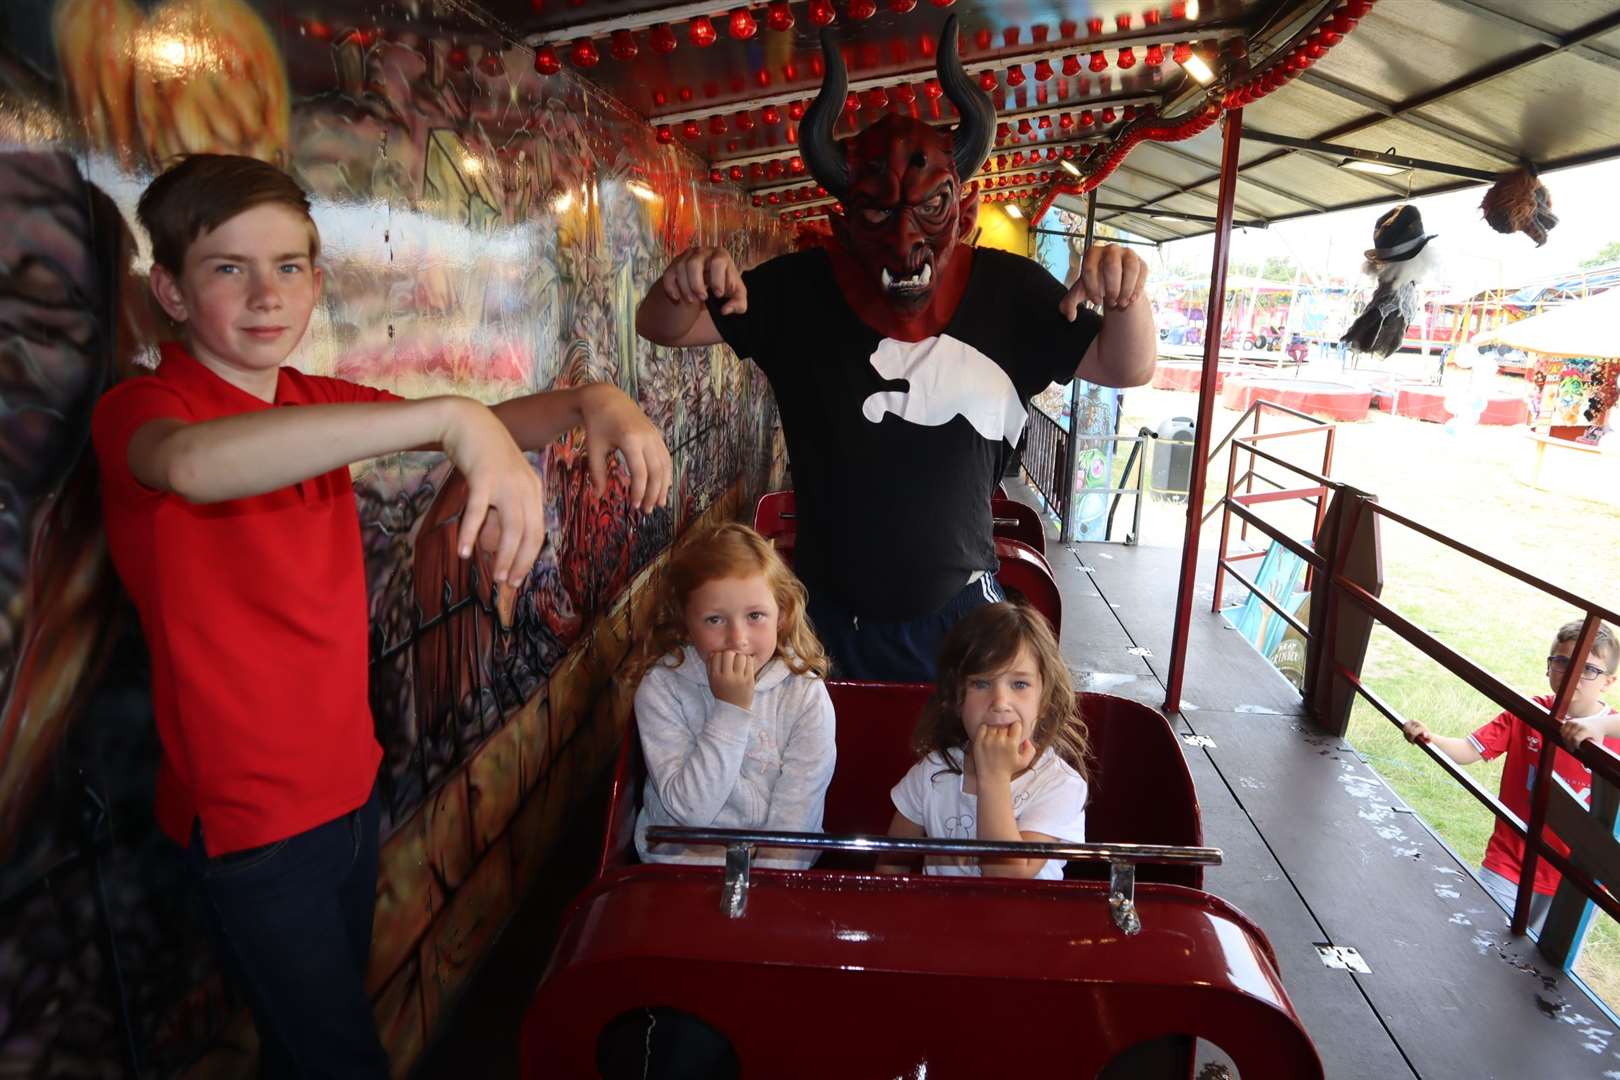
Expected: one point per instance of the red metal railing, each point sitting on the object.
(1317, 493)
(1342, 589)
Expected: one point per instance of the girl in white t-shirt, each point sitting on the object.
(1003, 747)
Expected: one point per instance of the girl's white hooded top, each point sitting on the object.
(711, 764)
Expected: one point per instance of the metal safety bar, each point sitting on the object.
(1122, 859)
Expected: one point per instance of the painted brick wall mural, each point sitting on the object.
(486, 232)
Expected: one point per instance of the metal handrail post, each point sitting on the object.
(1226, 529)
(1232, 137)
(1545, 767)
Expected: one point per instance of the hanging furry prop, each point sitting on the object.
(1519, 202)
(1399, 257)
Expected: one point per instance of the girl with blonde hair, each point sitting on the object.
(733, 713)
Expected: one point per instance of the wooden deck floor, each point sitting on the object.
(1318, 849)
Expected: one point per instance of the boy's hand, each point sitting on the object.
(1415, 732)
(498, 477)
(614, 422)
(1575, 732)
(701, 272)
(731, 678)
(1000, 752)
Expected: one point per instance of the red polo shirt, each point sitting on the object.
(255, 614)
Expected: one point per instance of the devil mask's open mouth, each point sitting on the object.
(911, 287)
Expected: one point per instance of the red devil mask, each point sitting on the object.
(899, 261)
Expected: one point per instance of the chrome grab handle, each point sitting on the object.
(1122, 859)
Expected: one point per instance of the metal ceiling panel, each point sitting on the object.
(1550, 106)
(1403, 49)
(1552, 16)
(1303, 110)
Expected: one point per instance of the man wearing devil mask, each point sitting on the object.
(903, 361)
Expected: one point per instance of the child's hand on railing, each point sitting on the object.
(1575, 732)
(1415, 732)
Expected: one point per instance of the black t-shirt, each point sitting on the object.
(896, 446)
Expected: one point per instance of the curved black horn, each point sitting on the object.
(822, 155)
(977, 131)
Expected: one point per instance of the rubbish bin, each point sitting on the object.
(1172, 459)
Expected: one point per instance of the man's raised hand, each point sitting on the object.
(1112, 276)
(702, 272)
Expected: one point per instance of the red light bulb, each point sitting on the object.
(715, 176)
(1123, 21)
(546, 61)
(779, 16)
(771, 115)
(662, 38)
(1109, 115)
(942, 3)
(987, 81)
(933, 89)
(691, 130)
(736, 172)
(1071, 66)
(1094, 26)
(1181, 51)
(1066, 121)
(861, 10)
(982, 38)
(822, 13)
(796, 110)
(666, 135)
(1127, 57)
(745, 121)
(1043, 70)
(1155, 54)
(1015, 76)
(584, 53)
(702, 33)
(623, 45)
(902, 7)
(717, 125)
(1087, 119)
(741, 25)
(1099, 62)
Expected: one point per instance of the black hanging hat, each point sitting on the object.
(1399, 235)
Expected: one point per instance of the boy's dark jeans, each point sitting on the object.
(291, 922)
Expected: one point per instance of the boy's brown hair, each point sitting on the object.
(203, 192)
(1605, 646)
(986, 640)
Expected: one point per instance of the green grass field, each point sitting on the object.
(1463, 484)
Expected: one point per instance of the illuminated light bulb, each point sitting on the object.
(987, 81)
(1130, 113)
(666, 134)
(1015, 76)
(775, 170)
(490, 64)
(1109, 115)
(796, 110)
(902, 7)
(779, 16)
(1099, 62)
(745, 121)
(852, 103)
(662, 38)
(1155, 54)
(822, 13)
(771, 115)
(684, 93)
(1045, 124)
(796, 165)
(660, 99)
(1066, 121)
(584, 54)
(1094, 26)
(861, 10)
(905, 94)
(546, 61)
(762, 77)
(701, 32)
(1023, 126)
(933, 89)
(1087, 119)
(741, 24)
(1127, 58)
(716, 176)
(1150, 17)
(691, 129)
(774, 198)
(1180, 52)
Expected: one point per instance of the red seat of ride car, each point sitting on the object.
(1015, 520)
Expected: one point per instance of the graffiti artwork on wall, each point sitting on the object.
(485, 232)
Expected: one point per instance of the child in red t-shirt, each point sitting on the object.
(232, 522)
(1590, 718)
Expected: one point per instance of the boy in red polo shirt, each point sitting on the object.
(231, 519)
(1590, 717)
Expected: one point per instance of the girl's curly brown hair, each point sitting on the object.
(729, 551)
(986, 640)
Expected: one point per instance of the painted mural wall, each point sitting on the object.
(486, 232)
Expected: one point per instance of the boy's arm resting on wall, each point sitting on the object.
(249, 454)
(799, 799)
(612, 421)
(693, 774)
